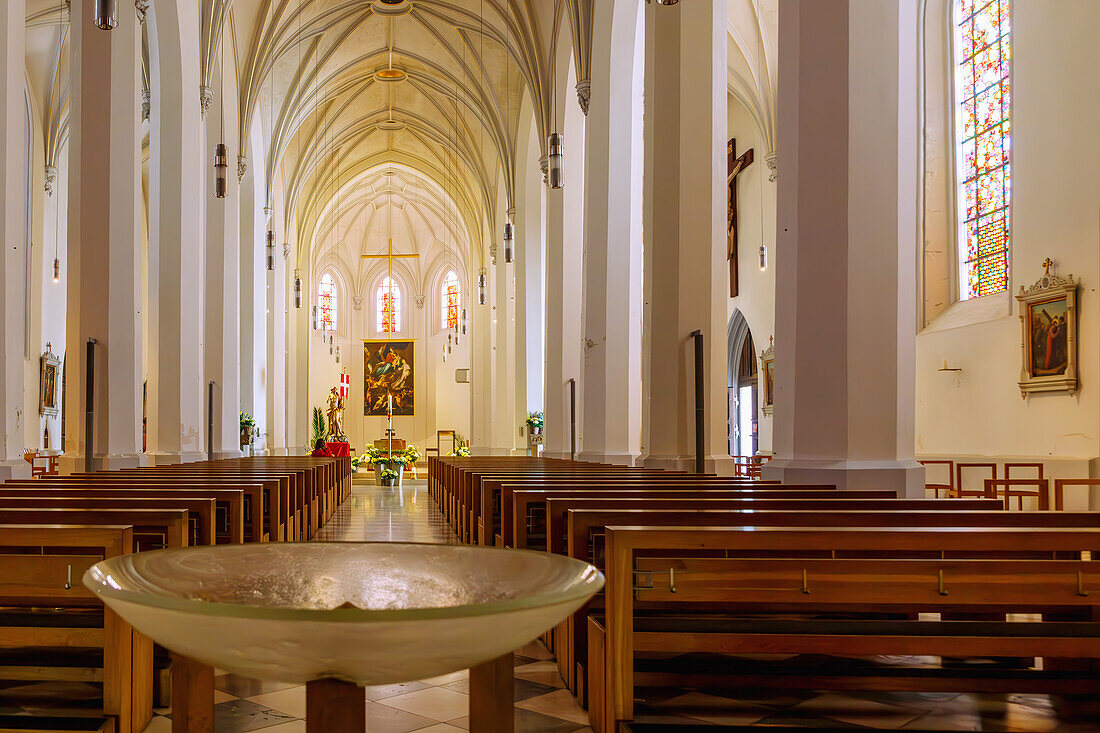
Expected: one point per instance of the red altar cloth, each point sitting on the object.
(339, 450)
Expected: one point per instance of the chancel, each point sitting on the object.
(610, 365)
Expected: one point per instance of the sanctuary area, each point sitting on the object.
(549, 365)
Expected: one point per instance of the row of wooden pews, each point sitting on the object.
(99, 673)
(733, 567)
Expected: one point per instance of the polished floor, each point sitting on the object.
(542, 704)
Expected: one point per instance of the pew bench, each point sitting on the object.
(744, 600)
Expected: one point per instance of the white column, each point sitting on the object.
(13, 190)
(103, 265)
(276, 343)
(613, 246)
(178, 169)
(685, 156)
(481, 359)
(223, 325)
(253, 293)
(847, 236)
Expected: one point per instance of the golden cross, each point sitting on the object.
(1047, 264)
(390, 256)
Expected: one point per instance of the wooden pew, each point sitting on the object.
(494, 501)
(153, 529)
(536, 497)
(200, 511)
(47, 608)
(980, 570)
(230, 502)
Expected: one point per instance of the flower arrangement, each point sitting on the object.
(248, 429)
(461, 451)
(534, 421)
(388, 476)
(412, 455)
(355, 461)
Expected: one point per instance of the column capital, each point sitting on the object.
(142, 7)
(584, 94)
(772, 161)
(206, 98)
(242, 167)
(146, 103)
(544, 166)
(51, 179)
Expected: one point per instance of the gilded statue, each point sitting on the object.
(335, 414)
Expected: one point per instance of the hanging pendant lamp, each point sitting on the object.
(556, 163)
(316, 319)
(481, 287)
(297, 288)
(763, 257)
(509, 240)
(105, 14)
(56, 270)
(463, 321)
(221, 168)
(271, 250)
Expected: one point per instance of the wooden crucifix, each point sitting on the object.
(734, 165)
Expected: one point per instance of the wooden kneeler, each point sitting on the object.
(333, 706)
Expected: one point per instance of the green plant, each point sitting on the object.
(318, 426)
(534, 420)
(355, 461)
(247, 422)
(388, 474)
(461, 451)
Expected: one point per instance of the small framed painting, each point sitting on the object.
(1048, 315)
(767, 377)
(47, 383)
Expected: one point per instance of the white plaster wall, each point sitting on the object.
(756, 220)
(979, 411)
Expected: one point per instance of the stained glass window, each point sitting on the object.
(326, 302)
(388, 307)
(983, 62)
(451, 299)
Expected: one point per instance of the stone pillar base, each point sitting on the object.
(219, 454)
(17, 468)
(906, 477)
(610, 458)
(74, 462)
(166, 459)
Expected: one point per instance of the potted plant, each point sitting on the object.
(534, 422)
(355, 460)
(318, 425)
(389, 477)
(248, 429)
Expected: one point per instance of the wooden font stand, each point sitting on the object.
(333, 706)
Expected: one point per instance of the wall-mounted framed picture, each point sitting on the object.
(1048, 316)
(388, 377)
(48, 385)
(767, 377)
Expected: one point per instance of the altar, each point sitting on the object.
(390, 443)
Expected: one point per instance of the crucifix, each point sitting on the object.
(390, 257)
(734, 165)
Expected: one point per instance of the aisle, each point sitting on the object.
(439, 705)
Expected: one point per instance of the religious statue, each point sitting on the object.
(335, 414)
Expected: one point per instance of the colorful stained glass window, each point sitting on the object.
(388, 307)
(326, 302)
(983, 62)
(451, 298)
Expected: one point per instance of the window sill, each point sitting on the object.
(971, 312)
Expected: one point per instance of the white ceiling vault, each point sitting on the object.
(317, 77)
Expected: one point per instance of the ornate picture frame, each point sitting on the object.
(767, 377)
(1048, 319)
(48, 385)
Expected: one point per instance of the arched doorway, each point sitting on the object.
(744, 406)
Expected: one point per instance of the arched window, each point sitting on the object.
(326, 302)
(388, 307)
(983, 65)
(451, 299)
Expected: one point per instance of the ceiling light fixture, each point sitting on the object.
(556, 174)
(391, 7)
(105, 14)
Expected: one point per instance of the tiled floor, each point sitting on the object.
(544, 706)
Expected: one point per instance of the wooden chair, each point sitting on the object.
(949, 487)
(1037, 466)
(1060, 485)
(1011, 488)
(960, 490)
